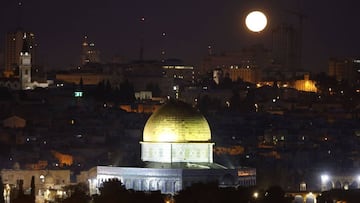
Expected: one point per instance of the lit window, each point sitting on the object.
(78, 94)
(42, 178)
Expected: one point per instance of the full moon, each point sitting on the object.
(256, 21)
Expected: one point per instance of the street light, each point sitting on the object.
(310, 197)
(255, 195)
(324, 178)
(324, 182)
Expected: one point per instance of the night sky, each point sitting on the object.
(331, 27)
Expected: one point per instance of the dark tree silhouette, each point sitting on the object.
(2, 200)
(78, 193)
(226, 82)
(21, 187)
(210, 192)
(339, 195)
(32, 192)
(235, 101)
(324, 82)
(127, 93)
(154, 88)
(275, 194)
(112, 191)
(21, 197)
(81, 84)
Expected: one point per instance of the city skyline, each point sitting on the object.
(116, 28)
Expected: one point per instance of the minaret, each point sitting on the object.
(210, 50)
(163, 51)
(141, 55)
(25, 65)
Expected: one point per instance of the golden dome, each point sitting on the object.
(176, 121)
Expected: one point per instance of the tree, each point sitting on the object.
(127, 93)
(112, 191)
(275, 194)
(154, 88)
(2, 200)
(21, 197)
(226, 82)
(324, 83)
(21, 187)
(78, 193)
(32, 192)
(235, 101)
(211, 192)
(108, 86)
(81, 84)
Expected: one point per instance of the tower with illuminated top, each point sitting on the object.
(89, 53)
(25, 65)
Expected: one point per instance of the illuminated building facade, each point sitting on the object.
(11, 83)
(245, 73)
(180, 72)
(177, 151)
(305, 85)
(345, 69)
(339, 181)
(48, 183)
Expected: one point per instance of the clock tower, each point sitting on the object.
(25, 65)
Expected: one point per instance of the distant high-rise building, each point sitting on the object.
(253, 56)
(345, 69)
(89, 53)
(286, 47)
(13, 47)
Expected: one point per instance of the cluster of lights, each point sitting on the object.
(325, 179)
(309, 196)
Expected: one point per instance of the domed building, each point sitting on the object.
(177, 133)
(177, 152)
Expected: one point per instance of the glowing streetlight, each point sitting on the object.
(310, 197)
(325, 178)
(256, 21)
